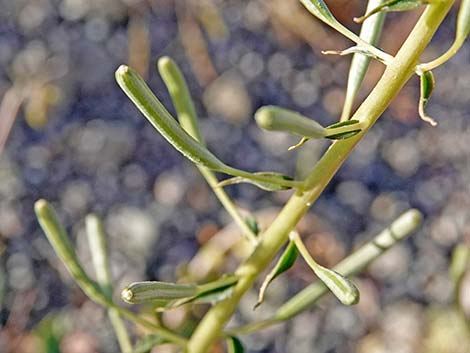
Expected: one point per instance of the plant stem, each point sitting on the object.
(395, 76)
(399, 230)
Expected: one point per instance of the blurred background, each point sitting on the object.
(68, 134)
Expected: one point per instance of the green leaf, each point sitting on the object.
(234, 345)
(149, 291)
(279, 119)
(343, 135)
(427, 84)
(319, 9)
(370, 33)
(165, 295)
(346, 292)
(285, 262)
(58, 238)
(344, 129)
(342, 288)
(252, 224)
(394, 5)
(275, 184)
(342, 124)
(144, 99)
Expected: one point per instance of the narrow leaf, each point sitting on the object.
(144, 99)
(179, 92)
(370, 33)
(342, 288)
(252, 224)
(344, 129)
(59, 240)
(234, 345)
(279, 119)
(427, 84)
(346, 292)
(148, 291)
(343, 135)
(285, 262)
(319, 9)
(394, 5)
(274, 181)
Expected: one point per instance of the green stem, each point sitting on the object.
(399, 230)
(394, 78)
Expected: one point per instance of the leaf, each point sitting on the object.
(342, 124)
(252, 224)
(394, 5)
(343, 135)
(275, 118)
(275, 185)
(285, 262)
(149, 105)
(343, 129)
(342, 288)
(370, 33)
(209, 293)
(234, 345)
(427, 84)
(319, 9)
(149, 291)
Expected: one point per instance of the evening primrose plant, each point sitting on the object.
(223, 294)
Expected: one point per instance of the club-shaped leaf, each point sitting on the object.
(169, 295)
(59, 240)
(234, 345)
(179, 92)
(394, 5)
(346, 292)
(141, 95)
(284, 263)
(427, 84)
(274, 181)
(148, 291)
(279, 119)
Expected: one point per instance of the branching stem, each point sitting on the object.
(397, 73)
